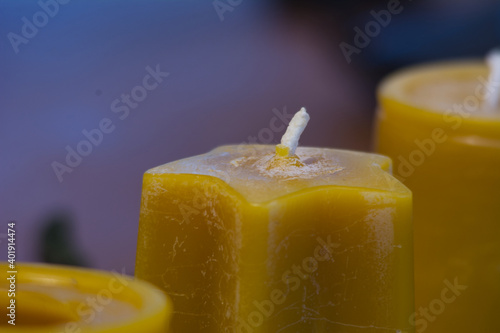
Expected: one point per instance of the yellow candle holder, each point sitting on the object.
(42, 298)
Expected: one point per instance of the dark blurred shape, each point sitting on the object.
(57, 241)
(422, 31)
(343, 8)
(332, 18)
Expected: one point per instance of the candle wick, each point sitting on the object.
(290, 139)
(493, 86)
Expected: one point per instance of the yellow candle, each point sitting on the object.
(244, 239)
(440, 125)
(38, 298)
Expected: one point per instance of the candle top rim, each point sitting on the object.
(66, 285)
(245, 169)
(437, 86)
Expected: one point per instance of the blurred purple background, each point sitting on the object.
(225, 79)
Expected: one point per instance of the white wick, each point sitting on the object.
(493, 87)
(294, 130)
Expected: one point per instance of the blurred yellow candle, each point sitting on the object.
(437, 124)
(42, 298)
(244, 239)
